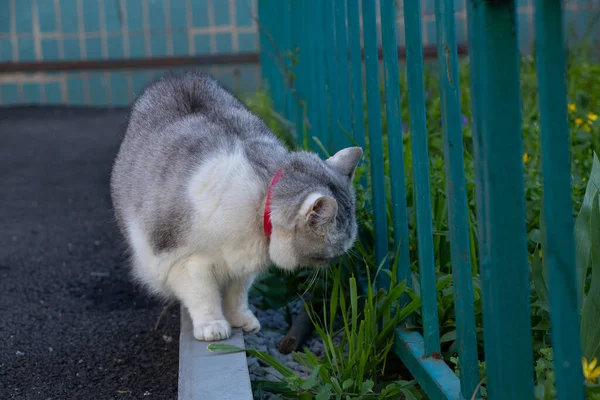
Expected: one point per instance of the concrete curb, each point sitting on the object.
(207, 376)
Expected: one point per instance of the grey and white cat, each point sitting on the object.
(197, 186)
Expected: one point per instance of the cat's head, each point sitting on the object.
(313, 209)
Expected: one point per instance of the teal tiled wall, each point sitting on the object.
(38, 30)
(49, 30)
(100, 29)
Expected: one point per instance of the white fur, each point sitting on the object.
(281, 251)
(307, 204)
(212, 272)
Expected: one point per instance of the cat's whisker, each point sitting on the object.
(362, 213)
(311, 281)
(362, 222)
(353, 254)
(365, 211)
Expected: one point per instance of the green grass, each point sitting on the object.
(278, 288)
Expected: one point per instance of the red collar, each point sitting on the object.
(268, 226)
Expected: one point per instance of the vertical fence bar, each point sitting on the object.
(323, 132)
(557, 202)
(369, 13)
(268, 64)
(389, 46)
(343, 95)
(475, 54)
(305, 62)
(262, 18)
(356, 79)
(271, 44)
(286, 52)
(475, 76)
(313, 99)
(332, 76)
(356, 74)
(278, 36)
(456, 188)
(420, 163)
(323, 129)
(298, 64)
(504, 268)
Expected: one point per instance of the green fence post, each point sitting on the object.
(286, 54)
(559, 251)
(420, 163)
(389, 45)
(343, 95)
(504, 267)
(298, 64)
(356, 74)
(475, 51)
(312, 101)
(323, 132)
(271, 34)
(356, 79)
(456, 188)
(268, 66)
(332, 76)
(369, 12)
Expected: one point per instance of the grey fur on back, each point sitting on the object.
(179, 121)
(174, 124)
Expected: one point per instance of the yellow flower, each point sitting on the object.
(578, 121)
(540, 254)
(592, 116)
(590, 371)
(587, 128)
(572, 108)
(526, 158)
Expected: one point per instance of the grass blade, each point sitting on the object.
(583, 243)
(590, 334)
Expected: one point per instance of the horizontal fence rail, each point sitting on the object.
(329, 61)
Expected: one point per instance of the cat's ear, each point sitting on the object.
(320, 212)
(346, 160)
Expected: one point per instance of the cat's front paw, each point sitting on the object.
(211, 331)
(246, 320)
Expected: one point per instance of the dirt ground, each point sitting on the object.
(72, 326)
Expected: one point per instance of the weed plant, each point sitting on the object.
(356, 346)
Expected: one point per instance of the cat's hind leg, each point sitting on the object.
(196, 285)
(235, 304)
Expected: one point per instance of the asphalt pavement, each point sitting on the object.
(72, 325)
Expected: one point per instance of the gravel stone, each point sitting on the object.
(273, 328)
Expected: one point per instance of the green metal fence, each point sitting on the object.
(321, 62)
